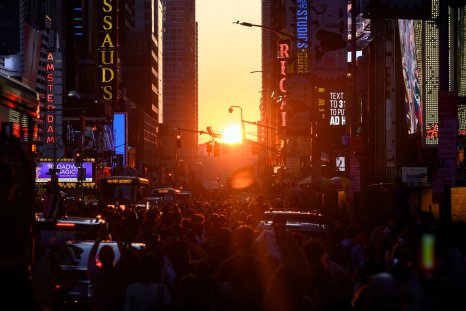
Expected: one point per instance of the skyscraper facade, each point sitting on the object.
(142, 79)
(180, 84)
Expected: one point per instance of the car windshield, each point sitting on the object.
(77, 254)
(119, 192)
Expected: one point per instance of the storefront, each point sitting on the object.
(19, 107)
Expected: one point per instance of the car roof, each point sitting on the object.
(300, 220)
(70, 220)
(290, 214)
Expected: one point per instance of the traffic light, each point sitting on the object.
(209, 147)
(78, 156)
(216, 149)
(178, 140)
(82, 122)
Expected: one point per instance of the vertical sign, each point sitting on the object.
(302, 33)
(283, 55)
(108, 51)
(53, 105)
(329, 30)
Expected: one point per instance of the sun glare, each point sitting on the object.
(232, 134)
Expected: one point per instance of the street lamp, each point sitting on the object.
(243, 129)
(246, 24)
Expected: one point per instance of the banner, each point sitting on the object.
(329, 31)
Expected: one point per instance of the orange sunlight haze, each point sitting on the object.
(232, 134)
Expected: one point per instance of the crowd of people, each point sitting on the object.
(212, 255)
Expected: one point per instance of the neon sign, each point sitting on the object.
(302, 33)
(284, 54)
(50, 100)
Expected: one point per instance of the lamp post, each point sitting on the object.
(316, 152)
(243, 129)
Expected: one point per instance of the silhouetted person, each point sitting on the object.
(242, 278)
(16, 219)
(148, 292)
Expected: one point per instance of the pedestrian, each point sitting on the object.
(102, 275)
(16, 220)
(148, 292)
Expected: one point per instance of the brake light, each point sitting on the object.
(65, 224)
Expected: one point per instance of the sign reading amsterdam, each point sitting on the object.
(108, 52)
(53, 104)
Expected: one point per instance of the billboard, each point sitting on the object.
(329, 32)
(120, 130)
(68, 171)
(411, 77)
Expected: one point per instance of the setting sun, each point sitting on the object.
(232, 134)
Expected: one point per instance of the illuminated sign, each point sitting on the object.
(119, 181)
(337, 108)
(302, 33)
(108, 52)
(120, 130)
(50, 102)
(410, 69)
(68, 172)
(52, 114)
(284, 54)
(321, 102)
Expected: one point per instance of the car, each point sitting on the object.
(72, 289)
(309, 224)
(52, 232)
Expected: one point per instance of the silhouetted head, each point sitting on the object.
(106, 256)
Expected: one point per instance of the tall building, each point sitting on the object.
(141, 56)
(180, 85)
(23, 51)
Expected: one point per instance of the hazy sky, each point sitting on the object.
(227, 54)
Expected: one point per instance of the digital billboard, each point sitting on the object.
(68, 171)
(410, 69)
(120, 130)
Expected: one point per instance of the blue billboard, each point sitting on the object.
(68, 171)
(120, 131)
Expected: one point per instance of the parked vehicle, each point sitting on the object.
(73, 289)
(50, 234)
(54, 232)
(310, 224)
